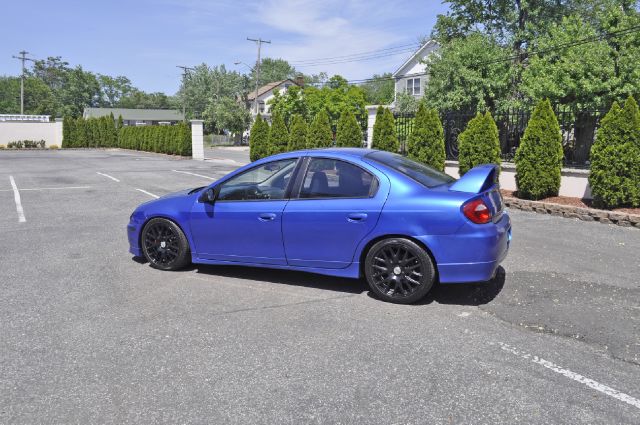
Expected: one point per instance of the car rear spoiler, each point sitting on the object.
(478, 179)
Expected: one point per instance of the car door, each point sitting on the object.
(336, 205)
(244, 222)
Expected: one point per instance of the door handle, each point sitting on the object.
(266, 217)
(356, 217)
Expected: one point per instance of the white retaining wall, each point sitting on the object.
(50, 132)
(574, 183)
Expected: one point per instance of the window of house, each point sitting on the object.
(261, 106)
(413, 86)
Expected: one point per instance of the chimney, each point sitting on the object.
(300, 80)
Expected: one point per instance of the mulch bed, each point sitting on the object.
(573, 202)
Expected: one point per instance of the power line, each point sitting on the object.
(23, 57)
(388, 50)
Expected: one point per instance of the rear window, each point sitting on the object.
(417, 171)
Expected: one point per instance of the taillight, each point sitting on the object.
(477, 211)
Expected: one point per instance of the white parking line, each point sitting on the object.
(574, 376)
(16, 197)
(148, 193)
(108, 176)
(49, 188)
(193, 174)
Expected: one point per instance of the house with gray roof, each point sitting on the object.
(137, 116)
(411, 77)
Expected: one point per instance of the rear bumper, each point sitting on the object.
(474, 253)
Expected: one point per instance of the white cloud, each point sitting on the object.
(321, 29)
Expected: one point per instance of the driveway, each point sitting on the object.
(92, 335)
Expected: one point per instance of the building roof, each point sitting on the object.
(267, 87)
(135, 114)
(416, 54)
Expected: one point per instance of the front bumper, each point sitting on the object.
(474, 253)
(133, 234)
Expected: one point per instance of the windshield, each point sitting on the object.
(417, 171)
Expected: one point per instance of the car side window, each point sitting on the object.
(332, 178)
(266, 182)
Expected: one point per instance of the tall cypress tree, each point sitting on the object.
(258, 139)
(539, 156)
(298, 133)
(478, 143)
(348, 133)
(426, 142)
(384, 131)
(615, 158)
(320, 134)
(278, 136)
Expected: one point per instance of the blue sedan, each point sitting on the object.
(339, 212)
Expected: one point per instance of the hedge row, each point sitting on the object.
(169, 139)
(89, 133)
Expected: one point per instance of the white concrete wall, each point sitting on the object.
(573, 183)
(50, 132)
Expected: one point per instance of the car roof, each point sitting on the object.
(355, 152)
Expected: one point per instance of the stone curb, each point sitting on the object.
(584, 214)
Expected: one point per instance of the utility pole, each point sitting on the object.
(23, 57)
(185, 72)
(259, 42)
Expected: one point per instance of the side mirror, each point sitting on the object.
(208, 196)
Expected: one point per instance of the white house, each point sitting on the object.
(265, 94)
(411, 76)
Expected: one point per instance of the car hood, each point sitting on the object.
(175, 202)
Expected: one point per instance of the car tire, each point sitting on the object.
(399, 271)
(164, 245)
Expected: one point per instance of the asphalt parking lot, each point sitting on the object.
(91, 335)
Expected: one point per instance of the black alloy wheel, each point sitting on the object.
(164, 245)
(399, 270)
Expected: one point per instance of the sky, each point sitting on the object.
(145, 40)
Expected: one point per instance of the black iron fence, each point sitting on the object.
(578, 132)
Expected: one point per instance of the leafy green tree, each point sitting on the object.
(278, 136)
(406, 103)
(334, 97)
(615, 158)
(38, 97)
(227, 114)
(582, 76)
(539, 156)
(67, 131)
(478, 143)
(426, 142)
(289, 103)
(379, 90)
(205, 85)
(113, 89)
(348, 133)
(384, 131)
(272, 70)
(320, 134)
(259, 139)
(465, 75)
(298, 133)
(138, 99)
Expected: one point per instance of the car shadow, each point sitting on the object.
(286, 277)
(472, 294)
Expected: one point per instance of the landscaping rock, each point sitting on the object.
(586, 217)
